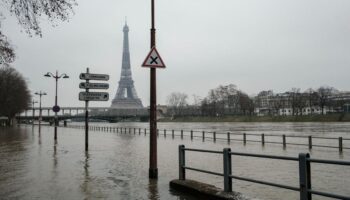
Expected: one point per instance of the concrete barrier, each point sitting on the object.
(204, 191)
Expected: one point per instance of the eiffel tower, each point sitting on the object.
(126, 96)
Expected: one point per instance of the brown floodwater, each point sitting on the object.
(33, 166)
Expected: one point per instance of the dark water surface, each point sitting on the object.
(33, 166)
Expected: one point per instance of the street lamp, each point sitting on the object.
(40, 94)
(56, 108)
(33, 102)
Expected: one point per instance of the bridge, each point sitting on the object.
(98, 113)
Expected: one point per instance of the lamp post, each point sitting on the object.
(56, 108)
(33, 102)
(40, 94)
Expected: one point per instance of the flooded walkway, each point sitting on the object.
(33, 166)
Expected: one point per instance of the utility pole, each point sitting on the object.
(33, 102)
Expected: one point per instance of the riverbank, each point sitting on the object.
(306, 118)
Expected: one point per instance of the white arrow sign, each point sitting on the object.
(85, 85)
(153, 59)
(99, 77)
(93, 96)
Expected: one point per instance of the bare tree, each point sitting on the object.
(324, 94)
(294, 99)
(28, 13)
(312, 98)
(177, 101)
(14, 93)
(246, 104)
(7, 54)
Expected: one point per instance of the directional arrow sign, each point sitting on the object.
(85, 85)
(99, 77)
(153, 59)
(93, 96)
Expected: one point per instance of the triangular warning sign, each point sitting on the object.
(153, 59)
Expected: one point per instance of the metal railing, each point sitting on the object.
(303, 159)
(310, 141)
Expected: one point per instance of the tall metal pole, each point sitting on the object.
(40, 94)
(153, 169)
(33, 102)
(56, 118)
(87, 118)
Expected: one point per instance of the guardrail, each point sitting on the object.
(304, 160)
(310, 141)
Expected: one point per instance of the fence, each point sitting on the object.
(310, 141)
(304, 160)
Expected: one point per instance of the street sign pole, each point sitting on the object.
(153, 169)
(87, 117)
(92, 96)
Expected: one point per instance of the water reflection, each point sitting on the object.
(153, 189)
(86, 176)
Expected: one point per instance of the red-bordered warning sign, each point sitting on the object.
(153, 59)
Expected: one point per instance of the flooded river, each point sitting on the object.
(33, 166)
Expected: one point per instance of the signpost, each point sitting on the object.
(92, 96)
(153, 59)
(84, 85)
(98, 77)
(56, 109)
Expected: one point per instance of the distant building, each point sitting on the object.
(268, 103)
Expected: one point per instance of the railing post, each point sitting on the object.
(310, 142)
(164, 133)
(125, 131)
(284, 140)
(214, 136)
(139, 131)
(172, 133)
(134, 131)
(117, 129)
(304, 176)
(145, 131)
(182, 134)
(129, 130)
(203, 135)
(228, 137)
(244, 138)
(227, 170)
(191, 135)
(263, 139)
(182, 172)
(340, 144)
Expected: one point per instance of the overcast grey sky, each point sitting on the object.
(255, 44)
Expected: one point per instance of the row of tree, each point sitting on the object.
(223, 100)
(229, 100)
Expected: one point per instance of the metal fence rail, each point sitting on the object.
(232, 136)
(304, 161)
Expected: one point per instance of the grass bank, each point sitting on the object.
(306, 118)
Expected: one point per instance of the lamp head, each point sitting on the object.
(47, 74)
(65, 76)
(36, 93)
